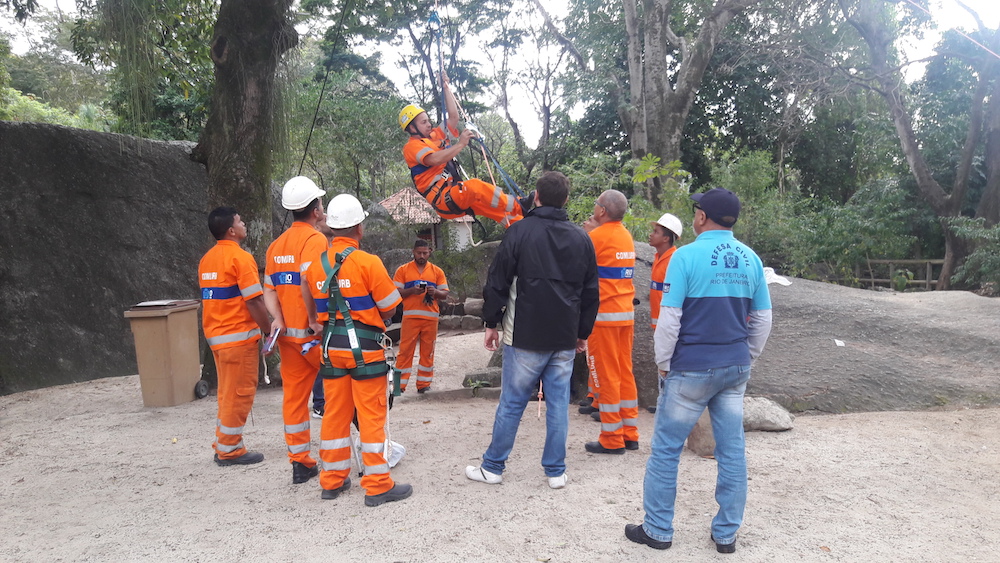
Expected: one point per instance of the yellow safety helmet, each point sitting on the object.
(408, 114)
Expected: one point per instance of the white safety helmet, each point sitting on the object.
(299, 192)
(344, 211)
(671, 223)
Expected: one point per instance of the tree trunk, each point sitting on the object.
(989, 205)
(661, 100)
(249, 39)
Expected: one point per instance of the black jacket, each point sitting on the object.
(544, 277)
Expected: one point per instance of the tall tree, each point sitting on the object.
(878, 26)
(236, 145)
(668, 46)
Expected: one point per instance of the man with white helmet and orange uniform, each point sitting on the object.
(354, 367)
(666, 230)
(282, 277)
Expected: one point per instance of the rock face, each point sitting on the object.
(92, 224)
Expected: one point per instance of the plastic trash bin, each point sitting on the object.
(166, 350)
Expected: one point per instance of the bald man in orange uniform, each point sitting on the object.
(610, 345)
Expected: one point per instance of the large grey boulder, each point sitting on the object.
(92, 224)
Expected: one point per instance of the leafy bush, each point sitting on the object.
(982, 265)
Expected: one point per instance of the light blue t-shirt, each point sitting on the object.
(716, 281)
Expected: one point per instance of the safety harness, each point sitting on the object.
(354, 334)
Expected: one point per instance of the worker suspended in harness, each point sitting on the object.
(436, 175)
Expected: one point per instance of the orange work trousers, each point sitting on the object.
(343, 396)
(237, 368)
(298, 373)
(610, 353)
(414, 329)
(486, 200)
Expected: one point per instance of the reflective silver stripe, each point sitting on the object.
(654, 321)
(229, 430)
(376, 469)
(298, 449)
(336, 465)
(296, 428)
(392, 298)
(610, 407)
(372, 447)
(629, 404)
(443, 287)
(336, 444)
(423, 151)
(616, 316)
(406, 371)
(235, 337)
(422, 378)
(247, 292)
(610, 427)
(297, 332)
(630, 421)
(399, 285)
(496, 198)
(226, 449)
(421, 313)
(305, 266)
(424, 368)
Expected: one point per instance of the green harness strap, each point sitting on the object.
(338, 303)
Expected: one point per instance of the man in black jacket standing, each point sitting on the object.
(543, 287)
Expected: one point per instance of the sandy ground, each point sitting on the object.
(89, 474)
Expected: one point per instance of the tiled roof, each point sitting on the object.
(409, 208)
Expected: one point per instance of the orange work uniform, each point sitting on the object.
(366, 286)
(228, 278)
(286, 260)
(656, 278)
(448, 195)
(609, 347)
(420, 322)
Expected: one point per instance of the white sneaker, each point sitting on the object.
(316, 414)
(558, 482)
(481, 475)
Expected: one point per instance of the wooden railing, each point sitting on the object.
(925, 273)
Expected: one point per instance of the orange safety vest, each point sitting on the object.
(656, 277)
(615, 268)
(228, 278)
(408, 275)
(368, 289)
(287, 258)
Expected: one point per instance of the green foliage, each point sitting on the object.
(982, 266)
(159, 56)
(810, 237)
(901, 279)
(15, 106)
(50, 73)
(466, 269)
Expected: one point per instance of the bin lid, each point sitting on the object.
(161, 307)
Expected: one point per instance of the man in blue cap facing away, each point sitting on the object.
(715, 318)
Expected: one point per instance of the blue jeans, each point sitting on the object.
(683, 397)
(319, 400)
(522, 370)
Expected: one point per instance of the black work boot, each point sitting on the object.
(399, 491)
(301, 473)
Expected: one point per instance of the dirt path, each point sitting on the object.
(89, 474)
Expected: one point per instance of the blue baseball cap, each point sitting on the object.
(720, 205)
